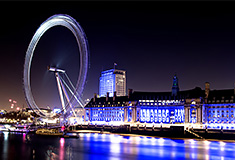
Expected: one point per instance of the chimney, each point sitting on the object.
(129, 93)
(107, 97)
(95, 96)
(207, 89)
(114, 95)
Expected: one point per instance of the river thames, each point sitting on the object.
(94, 146)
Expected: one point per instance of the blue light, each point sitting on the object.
(162, 114)
(192, 116)
(107, 114)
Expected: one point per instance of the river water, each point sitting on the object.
(94, 146)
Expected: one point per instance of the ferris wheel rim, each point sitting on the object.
(71, 24)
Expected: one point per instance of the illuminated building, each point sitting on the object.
(214, 108)
(112, 80)
(105, 109)
(220, 109)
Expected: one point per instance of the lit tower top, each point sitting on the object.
(175, 86)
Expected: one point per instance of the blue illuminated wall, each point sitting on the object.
(192, 115)
(129, 114)
(107, 114)
(164, 114)
(220, 113)
(220, 116)
(87, 115)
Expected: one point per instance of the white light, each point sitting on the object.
(53, 69)
(222, 143)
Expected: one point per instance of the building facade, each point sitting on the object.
(213, 108)
(112, 80)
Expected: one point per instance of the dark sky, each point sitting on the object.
(150, 40)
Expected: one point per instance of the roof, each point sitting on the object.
(102, 100)
(221, 96)
(137, 95)
(193, 93)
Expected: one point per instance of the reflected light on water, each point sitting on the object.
(62, 141)
(161, 141)
(5, 147)
(6, 134)
(24, 137)
(113, 147)
(96, 135)
(192, 143)
(81, 134)
(206, 144)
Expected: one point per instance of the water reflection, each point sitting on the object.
(62, 148)
(5, 145)
(110, 147)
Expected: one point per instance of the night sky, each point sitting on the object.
(150, 40)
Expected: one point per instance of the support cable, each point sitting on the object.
(73, 94)
(66, 95)
(73, 87)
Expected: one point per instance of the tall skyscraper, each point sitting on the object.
(112, 80)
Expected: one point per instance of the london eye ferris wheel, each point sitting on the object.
(63, 87)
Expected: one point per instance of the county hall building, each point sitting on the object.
(215, 108)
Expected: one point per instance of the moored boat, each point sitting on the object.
(49, 132)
